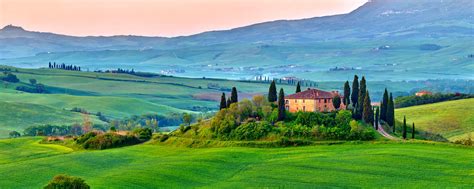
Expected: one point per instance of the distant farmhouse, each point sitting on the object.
(311, 100)
(423, 93)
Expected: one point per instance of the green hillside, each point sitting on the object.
(452, 119)
(26, 164)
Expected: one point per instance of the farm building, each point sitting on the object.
(311, 100)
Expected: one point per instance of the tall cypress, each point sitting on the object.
(281, 105)
(223, 102)
(404, 129)
(298, 87)
(377, 117)
(390, 116)
(233, 95)
(413, 131)
(272, 92)
(347, 94)
(361, 95)
(228, 102)
(355, 90)
(383, 105)
(367, 113)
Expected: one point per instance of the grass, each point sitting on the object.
(26, 164)
(452, 119)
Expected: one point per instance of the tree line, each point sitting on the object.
(64, 66)
(406, 101)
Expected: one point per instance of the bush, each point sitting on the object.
(10, 78)
(252, 131)
(109, 140)
(163, 138)
(65, 181)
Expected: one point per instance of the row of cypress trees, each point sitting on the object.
(359, 97)
(226, 102)
(387, 109)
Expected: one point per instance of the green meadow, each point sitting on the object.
(452, 119)
(24, 163)
(118, 96)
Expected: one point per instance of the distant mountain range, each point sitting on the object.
(406, 39)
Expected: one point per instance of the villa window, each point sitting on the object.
(286, 102)
(304, 108)
(325, 101)
(303, 100)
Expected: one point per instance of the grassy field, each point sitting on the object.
(26, 164)
(452, 119)
(122, 95)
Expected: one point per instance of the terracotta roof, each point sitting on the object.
(311, 94)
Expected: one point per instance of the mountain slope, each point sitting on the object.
(384, 39)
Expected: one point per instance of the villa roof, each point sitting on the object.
(312, 94)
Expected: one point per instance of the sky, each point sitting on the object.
(158, 17)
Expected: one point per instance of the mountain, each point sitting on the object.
(387, 39)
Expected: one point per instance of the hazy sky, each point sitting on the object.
(158, 17)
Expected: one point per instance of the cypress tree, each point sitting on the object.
(355, 90)
(377, 117)
(347, 94)
(367, 114)
(404, 129)
(272, 92)
(281, 106)
(223, 102)
(413, 131)
(298, 87)
(233, 95)
(361, 95)
(336, 102)
(229, 102)
(383, 105)
(390, 116)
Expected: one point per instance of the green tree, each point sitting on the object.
(233, 96)
(413, 131)
(298, 87)
(390, 116)
(361, 95)
(272, 92)
(33, 81)
(377, 118)
(383, 106)
(65, 181)
(404, 128)
(187, 118)
(355, 90)
(347, 94)
(229, 102)
(367, 113)
(14, 134)
(223, 102)
(281, 105)
(336, 102)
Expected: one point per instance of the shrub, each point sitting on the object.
(14, 134)
(65, 181)
(163, 138)
(252, 131)
(109, 140)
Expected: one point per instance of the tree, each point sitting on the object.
(233, 95)
(187, 118)
(228, 102)
(281, 105)
(404, 129)
(361, 95)
(355, 90)
(65, 181)
(272, 92)
(223, 102)
(336, 102)
(347, 94)
(377, 118)
(298, 87)
(383, 105)
(413, 131)
(390, 116)
(367, 113)
(14, 134)
(33, 81)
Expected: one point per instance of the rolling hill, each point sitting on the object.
(383, 39)
(452, 119)
(26, 164)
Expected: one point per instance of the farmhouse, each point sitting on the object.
(311, 100)
(423, 93)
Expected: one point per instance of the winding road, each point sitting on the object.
(385, 134)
